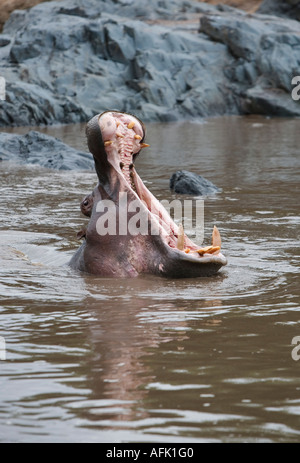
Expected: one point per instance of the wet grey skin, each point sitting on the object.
(115, 139)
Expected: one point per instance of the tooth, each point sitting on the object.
(216, 237)
(119, 135)
(180, 240)
(215, 248)
(208, 250)
(131, 125)
(108, 142)
(144, 145)
(137, 137)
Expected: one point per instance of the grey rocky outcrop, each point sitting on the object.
(284, 8)
(43, 150)
(66, 61)
(267, 58)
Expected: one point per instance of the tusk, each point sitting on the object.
(144, 145)
(108, 142)
(137, 137)
(216, 237)
(180, 240)
(208, 250)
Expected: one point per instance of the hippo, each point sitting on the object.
(129, 232)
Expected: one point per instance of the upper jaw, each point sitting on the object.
(123, 136)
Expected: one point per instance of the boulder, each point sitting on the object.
(266, 52)
(38, 148)
(284, 8)
(190, 183)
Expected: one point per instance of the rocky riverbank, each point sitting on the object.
(285, 8)
(65, 61)
(8, 6)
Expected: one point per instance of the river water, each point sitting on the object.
(150, 359)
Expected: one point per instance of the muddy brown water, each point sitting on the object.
(150, 359)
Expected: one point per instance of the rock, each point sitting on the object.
(7, 6)
(284, 8)
(41, 149)
(70, 60)
(65, 61)
(4, 40)
(189, 183)
(266, 53)
(272, 101)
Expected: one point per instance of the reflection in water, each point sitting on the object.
(151, 359)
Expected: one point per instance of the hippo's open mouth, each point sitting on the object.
(115, 139)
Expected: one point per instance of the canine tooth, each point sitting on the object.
(119, 135)
(144, 145)
(137, 137)
(208, 250)
(131, 125)
(108, 142)
(216, 237)
(180, 240)
(214, 249)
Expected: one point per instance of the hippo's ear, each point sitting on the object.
(81, 234)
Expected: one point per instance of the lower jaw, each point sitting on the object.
(173, 235)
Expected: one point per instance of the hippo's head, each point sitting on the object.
(130, 232)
